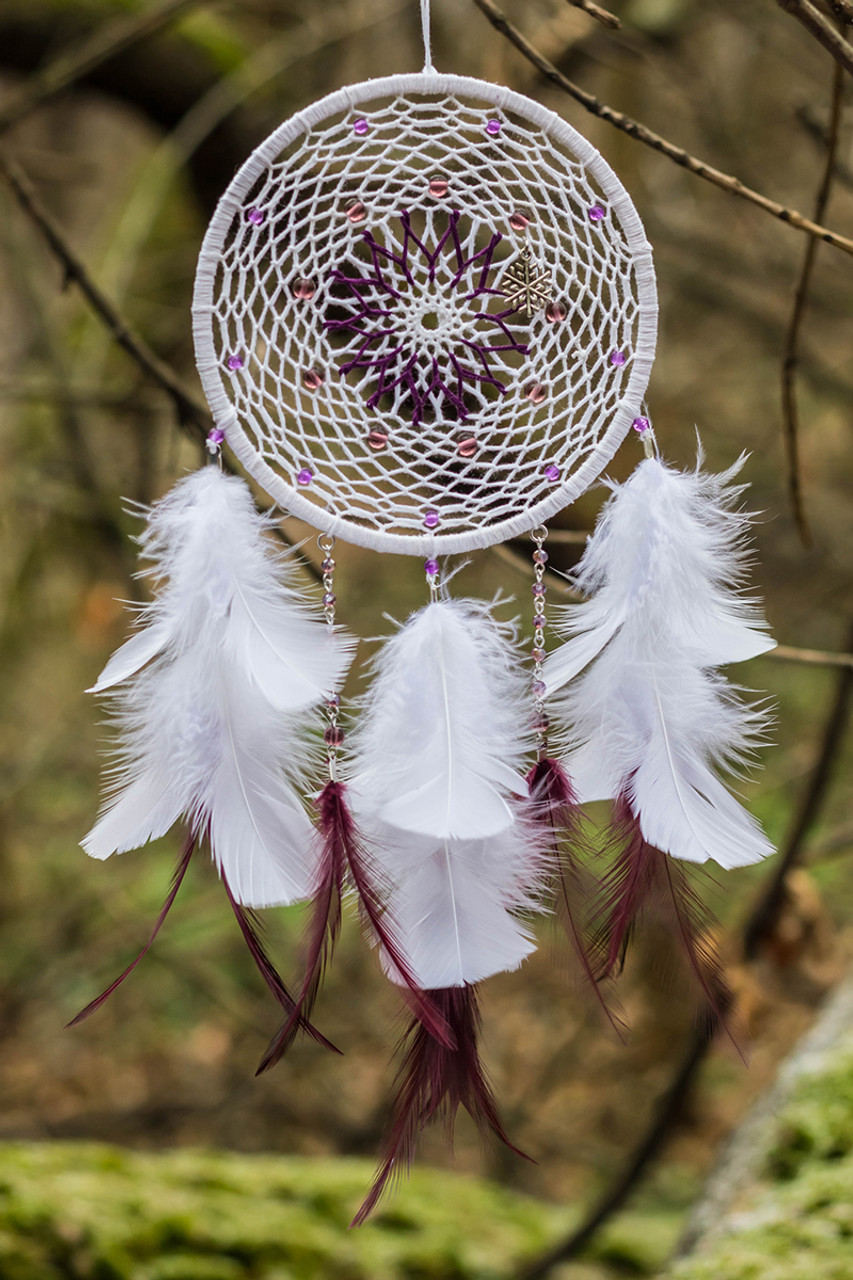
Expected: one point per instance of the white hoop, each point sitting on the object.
(584, 236)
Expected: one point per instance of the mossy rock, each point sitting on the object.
(86, 1212)
(793, 1220)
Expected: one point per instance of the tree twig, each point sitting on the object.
(791, 358)
(822, 30)
(813, 657)
(757, 926)
(604, 16)
(92, 51)
(191, 412)
(649, 138)
(772, 900)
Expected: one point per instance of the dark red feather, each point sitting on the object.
(250, 929)
(644, 881)
(435, 1080)
(341, 848)
(177, 879)
(576, 891)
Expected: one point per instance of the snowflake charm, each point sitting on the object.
(530, 288)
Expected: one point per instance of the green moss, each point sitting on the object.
(97, 1213)
(798, 1224)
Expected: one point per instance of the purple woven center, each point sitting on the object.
(417, 322)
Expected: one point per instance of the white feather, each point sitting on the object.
(213, 692)
(454, 902)
(444, 726)
(651, 717)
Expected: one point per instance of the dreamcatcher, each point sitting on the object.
(425, 319)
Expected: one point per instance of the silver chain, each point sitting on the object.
(538, 688)
(334, 735)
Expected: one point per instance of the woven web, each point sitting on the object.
(425, 313)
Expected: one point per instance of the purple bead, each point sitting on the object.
(431, 519)
(540, 556)
(216, 436)
(329, 598)
(538, 655)
(360, 127)
(235, 362)
(333, 700)
(333, 737)
(538, 589)
(493, 128)
(552, 472)
(327, 565)
(641, 424)
(618, 358)
(256, 216)
(539, 622)
(596, 213)
(304, 476)
(539, 688)
(541, 725)
(431, 568)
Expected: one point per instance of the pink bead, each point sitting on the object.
(304, 289)
(467, 447)
(312, 380)
(539, 622)
(255, 216)
(304, 476)
(334, 737)
(555, 313)
(438, 188)
(357, 212)
(329, 599)
(540, 556)
(360, 127)
(541, 726)
(538, 655)
(518, 220)
(493, 128)
(618, 358)
(535, 392)
(377, 440)
(431, 519)
(552, 473)
(235, 362)
(596, 213)
(539, 688)
(538, 590)
(333, 700)
(327, 565)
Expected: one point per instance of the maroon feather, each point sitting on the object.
(644, 881)
(435, 1080)
(250, 929)
(342, 848)
(576, 892)
(323, 926)
(177, 880)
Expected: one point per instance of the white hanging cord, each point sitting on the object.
(425, 24)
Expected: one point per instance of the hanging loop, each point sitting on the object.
(425, 27)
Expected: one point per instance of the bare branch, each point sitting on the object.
(822, 30)
(95, 49)
(190, 410)
(651, 139)
(791, 357)
(604, 16)
(811, 657)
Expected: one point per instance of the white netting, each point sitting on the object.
(425, 314)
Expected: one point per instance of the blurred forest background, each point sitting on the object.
(123, 153)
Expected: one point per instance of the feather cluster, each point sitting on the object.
(648, 714)
(439, 792)
(213, 693)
